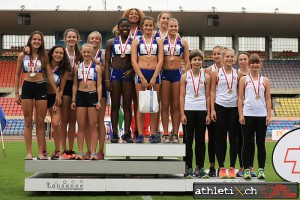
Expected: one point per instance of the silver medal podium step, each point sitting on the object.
(126, 168)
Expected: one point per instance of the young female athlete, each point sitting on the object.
(34, 91)
(254, 106)
(86, 99)
(195, 112)
(119, 78)
(175, 48)
(147, 59)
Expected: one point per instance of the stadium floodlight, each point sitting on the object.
(88, 8)
(119, 7)
(22, 7)
(150, 8)
(180, 8)
(244, 10)
(276, 10)
(213, 8)
(57, 7)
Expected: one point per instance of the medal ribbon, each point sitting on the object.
(172, 50)
(135, 33)
(229, 88)
(257, 94)
(121, 45)
(84, 80)
(198, 87)
(72, 64)
(151, 42)
(33, 65)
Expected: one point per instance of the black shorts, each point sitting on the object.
(68, 88)
(86, 99)
(51, 100)
(34, 90)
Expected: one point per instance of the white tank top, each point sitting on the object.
(193, 102)
(252, 106)
(223, 96)
(213, 68)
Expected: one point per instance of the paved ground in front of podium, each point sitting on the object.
(12, 179)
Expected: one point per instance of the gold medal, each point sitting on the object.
(149, 56)
(257, 97)
(229, 91)
(196, 95)
(123, 55)
(85, 85)
(171, 58)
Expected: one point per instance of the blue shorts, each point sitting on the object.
(117, 75)
(148, 74)
(172, 76)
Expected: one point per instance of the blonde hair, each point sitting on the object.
(99, 35)
(224, 50)
(159, 16)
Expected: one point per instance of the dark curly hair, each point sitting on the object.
(64, 64)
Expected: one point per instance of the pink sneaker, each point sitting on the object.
(100, 156)
(87, 156)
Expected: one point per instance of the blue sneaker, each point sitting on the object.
(139, 139)
(202, 173)
(189, 173)
(240, 173)
(252, 172)
(152, 139)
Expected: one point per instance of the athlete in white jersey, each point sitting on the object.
(224, 111)
(217, 50)
(195, 112)
(254, 105)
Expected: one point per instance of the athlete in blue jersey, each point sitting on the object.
(86, 99)
(60, 65)
(34, 91)
(119, 78)
(175, 50)
(147, 59)
(95, 39)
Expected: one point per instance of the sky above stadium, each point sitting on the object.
(250, 6)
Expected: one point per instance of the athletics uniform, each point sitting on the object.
(56, 73)
(173, 75)
(117, 74)
(99, 58)
(255, 113)
(227, 115)
(195, 111)
(142, 51)
(33, 90)
(90, 98)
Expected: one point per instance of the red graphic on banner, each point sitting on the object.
(292, 155)
(278, 190)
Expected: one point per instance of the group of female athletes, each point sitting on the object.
(73, 85)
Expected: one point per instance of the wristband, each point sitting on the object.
(99, 101)
(74, 100)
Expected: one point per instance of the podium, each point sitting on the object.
(127, 168)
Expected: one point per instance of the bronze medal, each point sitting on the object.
(196, 95)
(171, 58)
(32, 74)
(123, 55)
(85, 85)
(257, 97)
(229, 91)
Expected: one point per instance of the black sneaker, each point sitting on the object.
(152, 139)
(127, 138)
(114, 139)
(158, 136)
(212, 172)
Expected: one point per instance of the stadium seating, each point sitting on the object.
(282, 125)
(283, 74)
(10, 108)
(7, 73)
(14, 127)
(287, 107)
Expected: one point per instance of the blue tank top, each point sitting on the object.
(137, 35)
(99, 57)
(158, 35)
(27, 68)
(142, 49)
(92, 75)
(56, 73)
(179, 47)
(116, 47)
